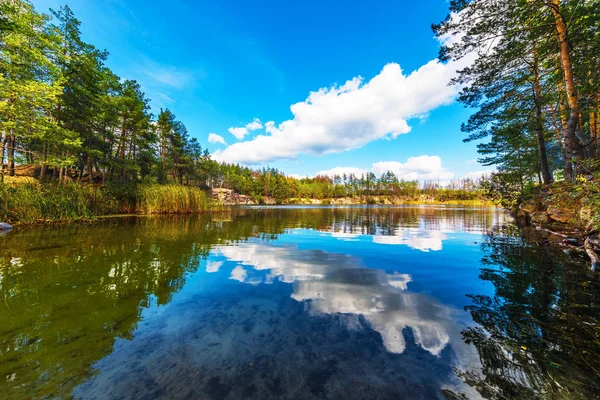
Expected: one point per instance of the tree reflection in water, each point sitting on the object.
(538, 337)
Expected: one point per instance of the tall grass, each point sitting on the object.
(30, 203)
(171, 199)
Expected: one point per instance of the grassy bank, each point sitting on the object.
(32, 203)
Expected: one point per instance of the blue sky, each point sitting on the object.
(221, 64)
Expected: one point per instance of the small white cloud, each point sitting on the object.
(340, 171)
(477, 175)
(239, 133)
(422, 168)
(214, 138)
(254, 125)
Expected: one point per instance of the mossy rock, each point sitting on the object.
(560, 214)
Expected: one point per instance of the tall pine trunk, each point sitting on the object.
(573, 149)
(541, 141)
(3, 140)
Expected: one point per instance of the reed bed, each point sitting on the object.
(32, 203)
(171, 199)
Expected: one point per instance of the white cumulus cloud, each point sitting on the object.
(422, 168)
(349, 116)
(214, 138)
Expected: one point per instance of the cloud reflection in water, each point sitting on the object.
(332, 283)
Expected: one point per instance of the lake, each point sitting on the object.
(406, 302)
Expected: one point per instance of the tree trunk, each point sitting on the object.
(541, 141)
(90, 169)
(11, 155)
(572, 146)
(3, 140)
(43, 166)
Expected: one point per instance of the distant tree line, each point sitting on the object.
(270, 182)
(535, 85)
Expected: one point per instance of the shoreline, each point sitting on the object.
(568, 215)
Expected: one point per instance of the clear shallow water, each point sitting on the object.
(298, 303)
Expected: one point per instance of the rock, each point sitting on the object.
(560, 214)
(529, 206)
(229, 197)
(5, 227)
(539, 218)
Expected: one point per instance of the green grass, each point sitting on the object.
(171, 199)
(32, 203)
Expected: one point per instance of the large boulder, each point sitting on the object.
(5, 227)
(560, 214)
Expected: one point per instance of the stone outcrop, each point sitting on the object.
(229, 197)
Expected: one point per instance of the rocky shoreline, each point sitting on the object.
(569, 217)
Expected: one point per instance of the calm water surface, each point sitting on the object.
(297, 303)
